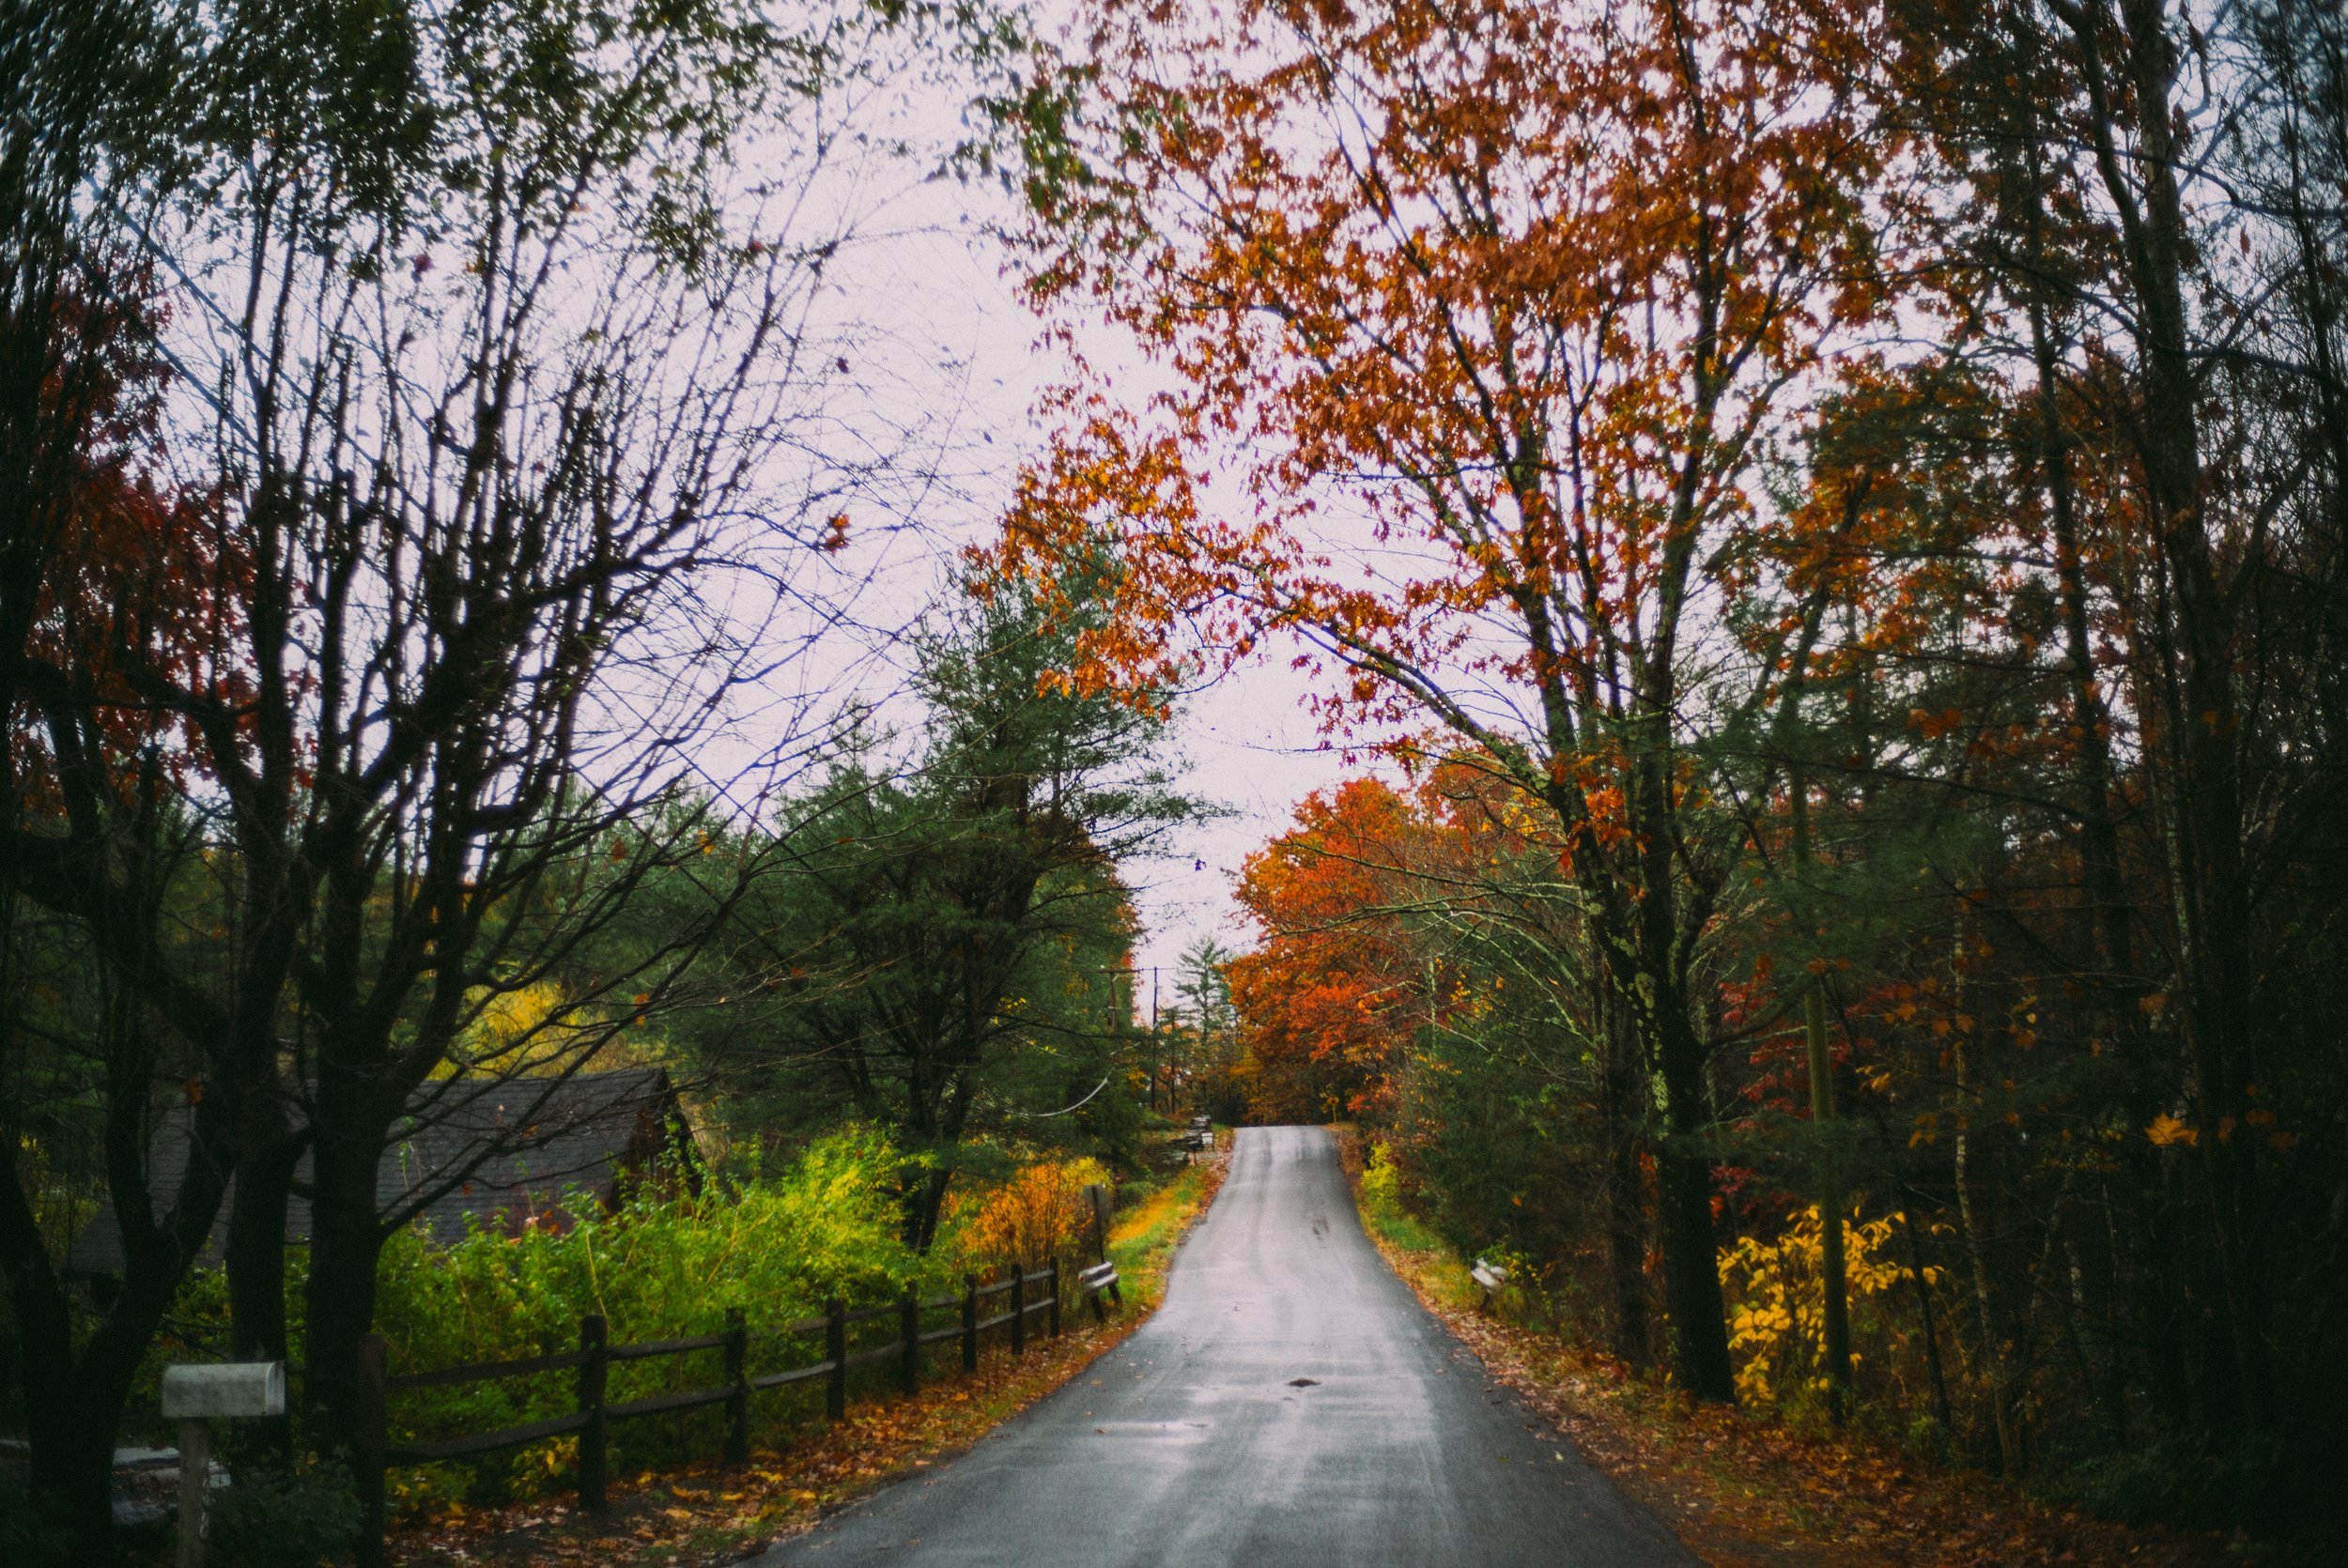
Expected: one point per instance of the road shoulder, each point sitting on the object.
(1744, 1491)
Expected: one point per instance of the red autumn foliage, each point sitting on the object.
(1328, 998)
(134, 589)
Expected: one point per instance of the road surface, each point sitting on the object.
(1199, 1440)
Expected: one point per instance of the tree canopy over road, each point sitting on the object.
(1837, 513)
(1823, 524)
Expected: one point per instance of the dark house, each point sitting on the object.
(501, 1154)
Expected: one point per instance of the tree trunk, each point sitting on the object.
(1993, 1346)
(2201, 735)
(74, 1402)
(72, 1418)
(1942, 1416)
(1623, 1112)
(346, 1241)
(71, 1431)
(1692, 1268)
(257, 1271)
(924, 1203)
(257, 1250)
(1833, 1286)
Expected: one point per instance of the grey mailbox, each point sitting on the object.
(191, 1396)
(235, 1389)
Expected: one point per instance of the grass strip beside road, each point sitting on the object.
(1746, 1489)
(1142, 1242)
(708, 1514)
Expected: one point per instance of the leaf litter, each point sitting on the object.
(1743, 1490)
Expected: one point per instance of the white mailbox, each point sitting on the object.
(233, 1389)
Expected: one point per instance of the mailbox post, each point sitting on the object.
(195, 1394)
(1097, 1201)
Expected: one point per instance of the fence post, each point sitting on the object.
(1097, 1207)
(909, 1323)
(592, 1374)
(969, 1323)
(836, 1351)
(737, 1388)
(1018, 1308)
(367, 1439)
(1054, 1314)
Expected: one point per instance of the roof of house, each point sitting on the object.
(470, 1151)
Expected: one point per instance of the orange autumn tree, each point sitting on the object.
(1422, 965)
(1328, 999)
(1487, 313)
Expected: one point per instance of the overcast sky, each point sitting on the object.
(1251, 748)
(947, 342)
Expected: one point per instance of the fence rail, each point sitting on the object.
(595, 1356)
(481, 1372)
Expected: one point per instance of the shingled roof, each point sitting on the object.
(500, 1154)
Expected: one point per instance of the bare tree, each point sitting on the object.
(498, 332)
(94, 562)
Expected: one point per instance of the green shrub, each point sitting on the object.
(25, 1537)
(283, 1518)
(776, 1245)
(2131, 1488)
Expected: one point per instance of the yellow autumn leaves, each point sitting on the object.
(1775, 1322)
(1035, 1214)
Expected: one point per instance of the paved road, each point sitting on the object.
(1191, 1444)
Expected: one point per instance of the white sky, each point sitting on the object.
(1250, 747)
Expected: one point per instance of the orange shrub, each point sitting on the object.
(1035, 1213)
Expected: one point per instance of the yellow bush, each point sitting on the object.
(1776, 1308)
(1382, 1184)
(1035, 1214)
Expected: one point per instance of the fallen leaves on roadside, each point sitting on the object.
(1748, 1491)
(703, 1515)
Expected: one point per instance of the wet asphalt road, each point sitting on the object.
(1189, 1445)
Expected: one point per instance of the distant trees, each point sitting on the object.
(1323, 995)
(1202, 991)
(1421, 965)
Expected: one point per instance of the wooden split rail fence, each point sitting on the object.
(594, 1356)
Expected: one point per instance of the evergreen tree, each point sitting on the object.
(940, 946)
